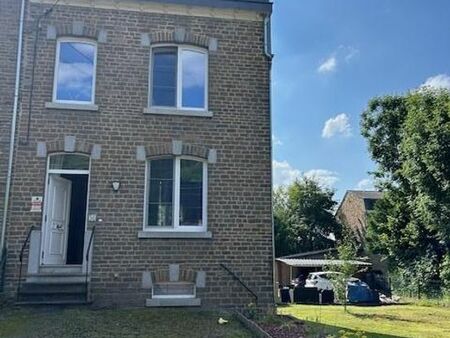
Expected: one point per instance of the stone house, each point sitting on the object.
(140, 167)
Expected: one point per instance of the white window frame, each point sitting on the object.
(179, 93)
(55, 76)
(176, 226)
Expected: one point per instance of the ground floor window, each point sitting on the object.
(176, 194)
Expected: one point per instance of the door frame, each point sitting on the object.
(46, 192)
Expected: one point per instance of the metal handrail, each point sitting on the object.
(27, 239)
(2, 269)
(87, 262)
(235, 277)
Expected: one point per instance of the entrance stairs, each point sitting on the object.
(55, 285)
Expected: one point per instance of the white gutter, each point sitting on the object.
(13, 127)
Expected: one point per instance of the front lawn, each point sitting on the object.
(83, 322)
(374, 321)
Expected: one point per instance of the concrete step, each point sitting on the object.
(53, 302)
(52, 278)
(44, 288)
(61, 269)
(52, 293)
(172, 302)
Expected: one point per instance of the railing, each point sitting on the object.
(87, 263)
(235, 277)
(24, 245)
(2, 269)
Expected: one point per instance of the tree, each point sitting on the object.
(303, 216)
(347, 254)
(409, 139)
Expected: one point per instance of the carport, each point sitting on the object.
(291, 267)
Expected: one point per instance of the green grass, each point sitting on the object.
(83, 322)
(375, 321)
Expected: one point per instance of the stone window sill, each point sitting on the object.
(71, 106)
(177, 112)
(175, 234)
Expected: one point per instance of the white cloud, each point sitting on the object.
(325, 178)
(339, 125)
(365, 184)
(276, 141)
(328, 65)
(340, 54)
(349, 53)
(439, 81)
(284, 173)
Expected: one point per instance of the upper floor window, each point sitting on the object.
(75, 71)
(179, 78)
(176, 194)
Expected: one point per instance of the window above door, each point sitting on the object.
(68, 162)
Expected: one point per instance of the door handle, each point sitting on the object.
(59, 226)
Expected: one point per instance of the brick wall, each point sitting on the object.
(9, 23)
(352, 214)
(239, 192)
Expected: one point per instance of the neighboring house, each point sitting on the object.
(352, 213)
(142, 160)
(353, 209)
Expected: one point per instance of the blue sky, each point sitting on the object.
(331, 57)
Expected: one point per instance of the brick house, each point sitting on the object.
(141, 170)
(352, 213)
(353, 209)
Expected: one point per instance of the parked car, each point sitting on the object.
(320, 280)
(323, 280)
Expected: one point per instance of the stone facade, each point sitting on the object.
(236, 140)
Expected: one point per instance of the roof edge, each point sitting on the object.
(263, 6)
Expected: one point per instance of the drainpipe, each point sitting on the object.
(269, 55)
(13, 127)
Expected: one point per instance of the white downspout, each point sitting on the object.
(13, 127)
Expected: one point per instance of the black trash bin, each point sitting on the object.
(327, 297)
(306, 295)
(285, 295)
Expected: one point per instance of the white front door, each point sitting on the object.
(57, 220)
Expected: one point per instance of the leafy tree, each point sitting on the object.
(409, 138)
(347, 252)
(303, 216)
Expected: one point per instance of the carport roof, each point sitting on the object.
(313, 263)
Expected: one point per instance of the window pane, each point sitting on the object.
(160, 196)
(75, 77)
(194, 71)
(69, 162)
(164, 77)
(191, 193)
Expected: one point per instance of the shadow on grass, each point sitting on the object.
(378, 316)
(319, 330)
